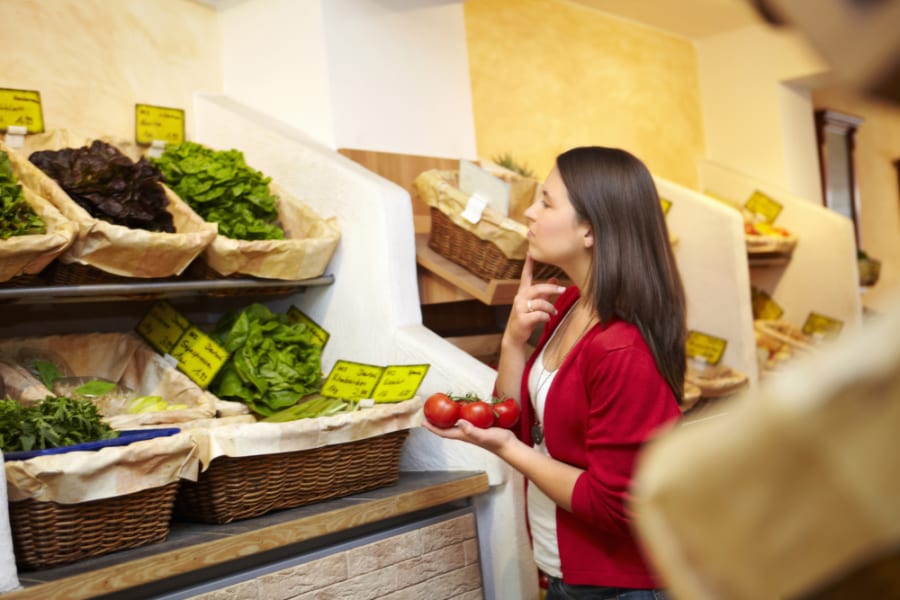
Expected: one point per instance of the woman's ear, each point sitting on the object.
(589, 238)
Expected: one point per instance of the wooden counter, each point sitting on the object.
(196, 551)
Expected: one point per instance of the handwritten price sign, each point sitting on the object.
(170, 333)
(351, 380)
(399, 383)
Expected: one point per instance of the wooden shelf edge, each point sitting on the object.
(493, 292)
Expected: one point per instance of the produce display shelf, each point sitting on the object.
(196, 554)
(154, 289)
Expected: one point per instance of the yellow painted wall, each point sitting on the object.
(547, 75)
(877, 147)
(92, 60)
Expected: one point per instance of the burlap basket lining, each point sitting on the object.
(254, 439)
(29, 254)
(309, 245)
(84, 476)
(127, 360)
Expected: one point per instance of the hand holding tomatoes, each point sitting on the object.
(443, 411)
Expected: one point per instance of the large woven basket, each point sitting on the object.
(235, 488)
(49, 534)
(481, 257)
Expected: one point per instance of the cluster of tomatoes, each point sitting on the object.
(443, 410)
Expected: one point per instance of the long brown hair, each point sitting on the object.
(633, 272)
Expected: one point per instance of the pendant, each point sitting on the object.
(537, 434)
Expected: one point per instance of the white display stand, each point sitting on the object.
(712, 259)
(822, 274)
(373, 314)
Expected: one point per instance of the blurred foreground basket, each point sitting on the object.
(792, 493)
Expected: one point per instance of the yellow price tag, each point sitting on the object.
(705, 347)
(763, 306)
(764, 206)
(21, 108)
(666, 205)
(399, 382)
(319, 335)
(199, 357)
(821, 326)
(351, 380)
(162, 326)
(158, 123)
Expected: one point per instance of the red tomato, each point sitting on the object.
(479, 413)
(506, 412)
(441, 410)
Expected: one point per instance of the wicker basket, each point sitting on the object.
(58, 273)
(235, 488)
(48, 534)
(24, 281)
(199, 269)
(481, 257)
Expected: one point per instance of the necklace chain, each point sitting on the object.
(537, 431)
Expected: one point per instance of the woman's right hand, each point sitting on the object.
(532, 305)
(492, 439)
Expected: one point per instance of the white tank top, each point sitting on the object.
(541, 509)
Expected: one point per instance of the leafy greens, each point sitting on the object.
(109, 185)
(222, 189)
(274, 362)
(17, 217)
(50, 423)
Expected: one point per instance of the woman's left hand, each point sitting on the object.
(492, 439)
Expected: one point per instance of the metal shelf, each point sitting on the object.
(150, 290)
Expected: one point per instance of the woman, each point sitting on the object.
(606, 374)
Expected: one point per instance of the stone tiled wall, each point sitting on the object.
(436, 562)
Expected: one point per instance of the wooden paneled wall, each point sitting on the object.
(402, 169)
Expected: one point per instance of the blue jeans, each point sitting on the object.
(557, 590)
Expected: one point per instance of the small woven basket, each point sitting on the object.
(27, 280)
(481, 257)
(199, 269)
(235, 488)
(49, 534)
(58, 273)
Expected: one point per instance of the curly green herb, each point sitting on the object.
(50, 423)
(17, 217)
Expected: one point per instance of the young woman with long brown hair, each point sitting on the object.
(606, 374)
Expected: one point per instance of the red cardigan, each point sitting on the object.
(606, 399)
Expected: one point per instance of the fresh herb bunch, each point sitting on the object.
(274, 362)
(507, 161)
(222, 189)
(109, 185)
(17, 217)
(50, 423)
